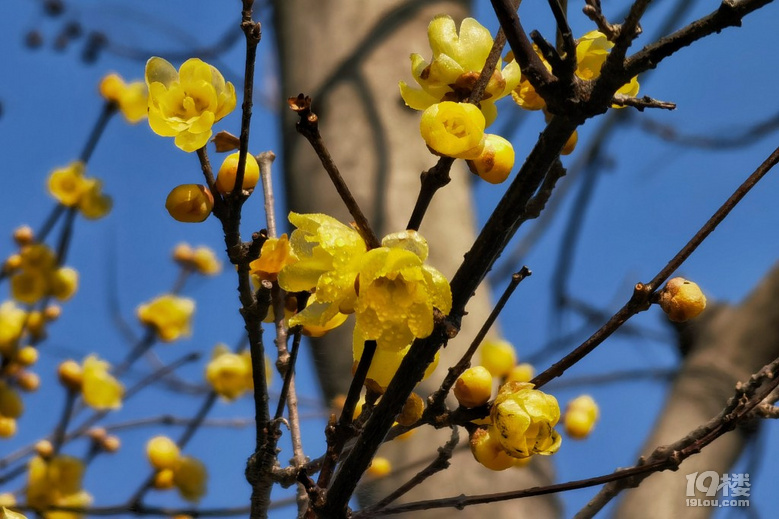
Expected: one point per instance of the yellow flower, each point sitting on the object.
(496, 160)
(276, 254)
(7, 427)
(162, 452)
(524, 94)
(56, 482)
(204, 261)
(525, 418)
(580, 417)
(29, 286)
(458, 59)
(487, 450)
(190, 477)
(230, 374)
(474, 387)
(521, 373)
(225, 179)
(397, 292)
(131, 98)
(186, 104)
(38, 257)
(379, 468)
(498, 356)
(385, 362)
(592, 49)
(682, 299)
(329, 255)
(72, 189)
(99, 388)
(189, 203)
(169, 315)
(12, 319)
(453, 129)
(63, 283)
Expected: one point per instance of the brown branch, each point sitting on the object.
(593, 11)
(642, 103)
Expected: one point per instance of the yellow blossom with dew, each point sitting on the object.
(453, 129)
(458, 59)
(131, 98)
(385, 363)
(319, 329)
(190, 478)
(100, 390)
(12, 321)
(398, 292)
(186, 103)
(56, 482)
(276, 253)
(169, 315)
(230, 374)
(525, 418)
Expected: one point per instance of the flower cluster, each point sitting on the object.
(35, 275)
(92, 379)
(186, 103)
(449, 126)
(72, 189)
(389, 289)
(168, 315)
(186, 473)
(131, 98)
(56, 482)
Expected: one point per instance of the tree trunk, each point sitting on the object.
(349, 55)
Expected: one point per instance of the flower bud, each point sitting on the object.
(225, 179)
(453, 129)
(523, 372)
(412, 410)
(487, 451)
(682, 299)
(474, 387)
(44, 449)
(580, 417)
(496, 160)
(163, 480)
(498, 357)
(70, 375)
(379, 468)
(190, 203)
(63, 283)
(11, 405)
(28, 381)
(24, 235)
(182, 253)
(27, 356)
(111, 444)
(7, 427)
(163, 453)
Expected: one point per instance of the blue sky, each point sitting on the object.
(645, 206)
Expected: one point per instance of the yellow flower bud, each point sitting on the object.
(379, 468)
(28, 381)
(525, 419)
(11, 405)
(225, 179)
(487, 450)
(7, 427)
(63, 283)
(28, 286)
(52, 312)
(27, 356)
(190, 203)
(44, 449)
(580, 417)
(163, 480)
(682, 299)
(183, 253)
(13, 262)
(24, 235)
(474, 387)
(496, 160)
(204, 260)
(523, 372)
(162, 452)
(70, 375)
(453, 129)
(498, 356)
(412, 410)
(111, 444)
(190, 478)
(169, 315)
(97, 434)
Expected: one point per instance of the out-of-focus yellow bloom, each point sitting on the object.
(163, 479)
(131, 98)
(276, 254)
(28, 286)
(189, 203)
(225, 179)
(487, 450)
(99, 388)
(190, 477)
(27, 356)
(495, 161)
(458, 59)
(580, 417)
(70, 375)
(7, 427)
(56, 482)
(39, 276)
(385, 363)
(525, 418)
(474, 387)
(453, 129)
(682, 299)
(63, 283)
(379, 468)
(28, 381)
(205, 261)
(592, 49)
(169, 315)
(12, 319)
(524, 94)
(523, 372)
(230, 374)
(11, 404)
(498, 356)
(72, 189)
(398, 292)
(412, 410)
(186, 103)
(162, 453)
